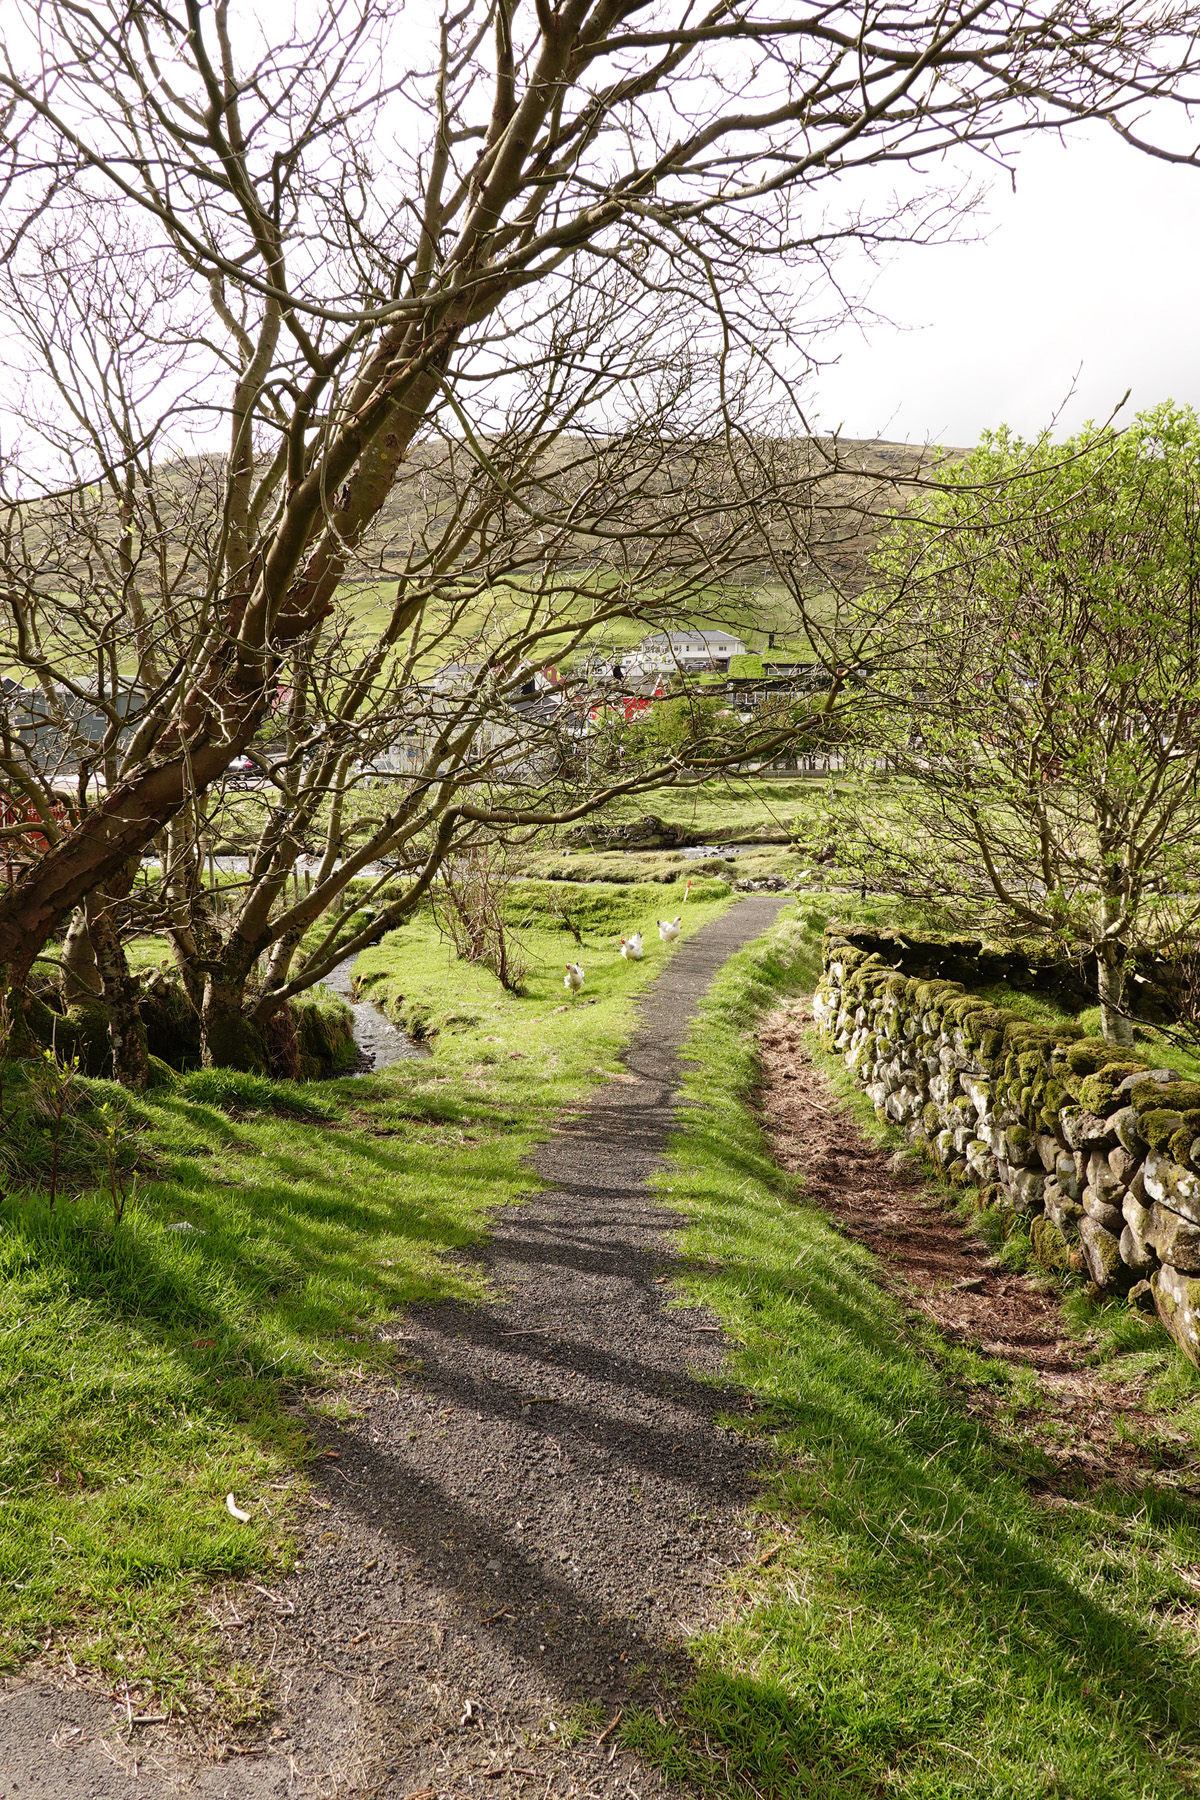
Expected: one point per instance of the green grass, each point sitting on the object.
(146, 1373)
(925, 1627)
(737, 809)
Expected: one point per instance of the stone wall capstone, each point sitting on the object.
(1098, 1151)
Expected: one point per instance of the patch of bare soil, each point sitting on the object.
(511, 1539)
(1090, 1427)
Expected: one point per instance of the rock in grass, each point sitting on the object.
(1141, 1296)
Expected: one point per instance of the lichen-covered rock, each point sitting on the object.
(1065, 1212)
(996, 1139)
(979, 1092)
(1137, 1256)
(1100, 1178)
(1097, 1207)
(942, 1088)
(1122, 1163)
(1174, 1239)
(1125, 1124)
(1136, 1214)
(980, 1160)
(1067, 1175)
(1028, 1187)
(1084, 1130)
(1169, 1182)
(1102, 1255)
(1030, 1118)
(1177, 1298)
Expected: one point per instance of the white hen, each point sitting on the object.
(573, 979)
(631, 948)
(668, 929)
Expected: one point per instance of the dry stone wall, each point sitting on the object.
(1098, 1151)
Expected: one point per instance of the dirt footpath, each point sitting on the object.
(516, 1534)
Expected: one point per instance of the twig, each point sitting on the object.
(610, 1727)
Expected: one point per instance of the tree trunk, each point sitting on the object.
(229, 1039)
(80, 975)
(121, 993)
(1115, 1026)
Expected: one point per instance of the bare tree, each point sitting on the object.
(504, 556)
(362, 262)
(1038, 697)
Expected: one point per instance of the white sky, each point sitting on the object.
(1089, 278)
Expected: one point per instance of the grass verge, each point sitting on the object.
(149, 1369)
(919, 1623)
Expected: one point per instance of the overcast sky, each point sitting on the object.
(1090, 277)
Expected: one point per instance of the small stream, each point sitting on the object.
(377, 1038)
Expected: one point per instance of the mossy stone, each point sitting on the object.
(1020, 1143)
(161, 1074)
(1181, 1096)
(1087, 1055)
(1049, 1245)
(1181, 1143)
(1159, 1126)
(1096, 1092)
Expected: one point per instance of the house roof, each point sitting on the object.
(691, 640)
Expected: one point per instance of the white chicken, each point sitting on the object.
(668, 929)
(631, 947)
(573, 979)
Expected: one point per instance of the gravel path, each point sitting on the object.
(528, 1523)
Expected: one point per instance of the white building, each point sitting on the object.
(689, 652)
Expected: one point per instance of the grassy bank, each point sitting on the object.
(921, 1623)
(147, 1371)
